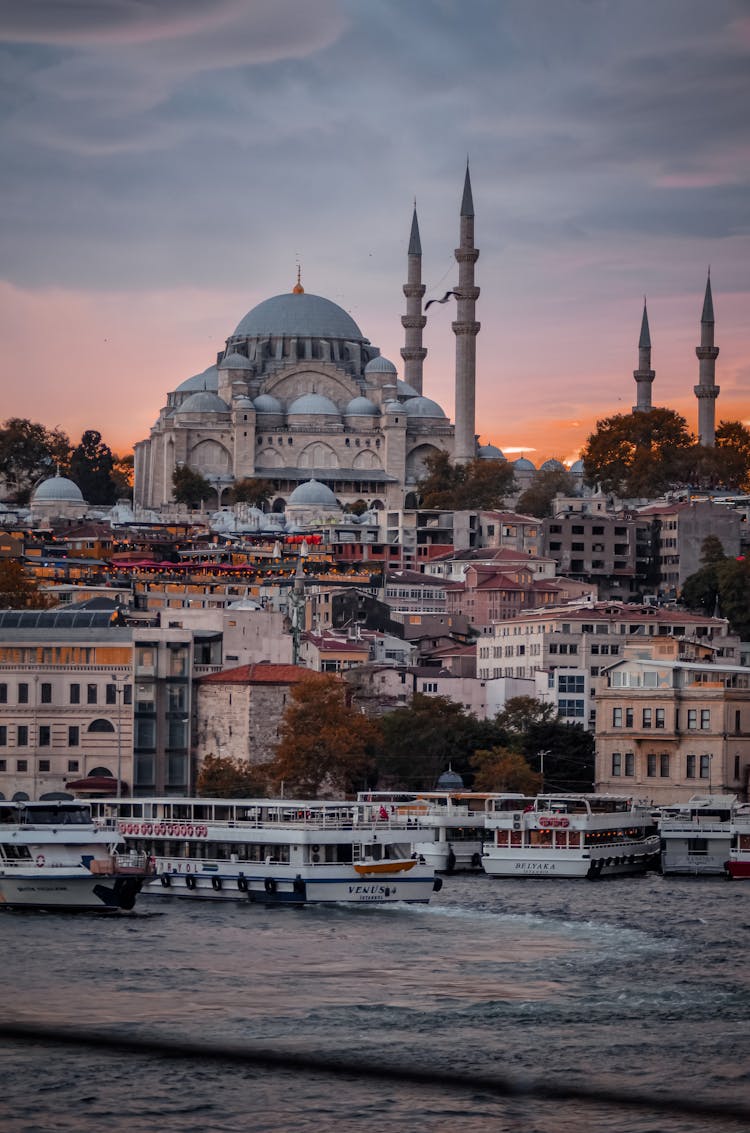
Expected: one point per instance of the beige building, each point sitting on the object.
(667, 728)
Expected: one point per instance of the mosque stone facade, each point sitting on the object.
(300, 394)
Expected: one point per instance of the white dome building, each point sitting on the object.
(57, 498)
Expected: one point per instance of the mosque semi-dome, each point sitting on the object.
(311, 494)
(203, 402)
(315, 404)
(299, 314)
(266, 403)
(361, 407)
(57, 489)
(207, 379)
(403, 389)
(422, 407)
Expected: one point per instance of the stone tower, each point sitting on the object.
(466, 329)
(707, 391)
(413, 352)
(644, 375)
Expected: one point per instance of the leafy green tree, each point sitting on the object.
(442, 478)
(189, 487)
(324, 743)
(638, 454)
(502, 769)
(30, 452)
(220, 777)
(91, 467)
(700, 591)
(564, 751)
(123, 474)
(476, 484)
(732, 437)
(538, 497)
(734, 594)
(252, 491)
(19, 591)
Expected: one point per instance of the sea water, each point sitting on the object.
(636, 984)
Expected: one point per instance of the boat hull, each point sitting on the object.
(279, 888)
(737, 869)
(612, 862)
(69, 893)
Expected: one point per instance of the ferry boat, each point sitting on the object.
(569, 835)
(696, 835)
(448, 827)
(276, 851)
(53, 856)
(738, 863)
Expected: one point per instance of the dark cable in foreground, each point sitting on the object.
(498, 1085)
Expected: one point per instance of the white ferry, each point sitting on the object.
(737, 864)
(278, 851)
(52, 856)
(448, 827)
(569, 835)
(696, 835)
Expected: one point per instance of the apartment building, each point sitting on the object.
(601, 548)
(669, 728)
(679, 530)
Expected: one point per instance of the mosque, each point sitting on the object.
(300, 398)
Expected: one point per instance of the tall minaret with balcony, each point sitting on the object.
(707, 391)
(413, 352)
(644, 375)
(466, 329)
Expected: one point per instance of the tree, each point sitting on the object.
(521, 713)
(123, 475)
(537, 499)
(734, 594)
(190, 488)
(734, 437)
(30, 452)
(91, 467)
(476, 484)
(324, 743)
(700, 591)
(220, 777)
(501, 769)
(564, 751)
(638, 454)
(442, 477)
(252, 491)
(17, 590)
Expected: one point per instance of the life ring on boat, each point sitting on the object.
(190, 881)
(166, 880)
(242, 884)
(315, 849)
(216, 883)
(39, 860)
(476, 860)
(270, 885)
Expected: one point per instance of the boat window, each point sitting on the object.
(14, 853)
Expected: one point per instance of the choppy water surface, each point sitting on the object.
(637, 983)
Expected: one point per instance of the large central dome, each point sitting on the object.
(299, 314)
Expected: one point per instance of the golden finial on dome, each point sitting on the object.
(298, 289)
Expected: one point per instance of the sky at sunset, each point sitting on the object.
(165, 166)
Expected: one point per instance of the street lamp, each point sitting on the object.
(541, 765)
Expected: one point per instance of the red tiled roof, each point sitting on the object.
(259, 673)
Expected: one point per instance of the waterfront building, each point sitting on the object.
(678, 531)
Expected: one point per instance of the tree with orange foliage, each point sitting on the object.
(325, 744)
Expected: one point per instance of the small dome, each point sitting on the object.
(490, 452)
(203, 402)
(450, 780)
(312, 493)
(207, 379)
(57, 489)
(314, 403)
(523, 465)
(576, 468)
(403, 389)
(265, 403)
(234, 361)
(394, 407)
(552, 465)
(243, 402)
(361, 407)
(422, 407)
(380, 365)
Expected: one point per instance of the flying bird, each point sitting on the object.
(445, 299)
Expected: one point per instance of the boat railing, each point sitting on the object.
(133, 862)
(314, 822)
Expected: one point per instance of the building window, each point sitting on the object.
(705, 767)
(3, 735)
(736, 767)
(568, 707)
(616, 763)
(690, 767)
(692, 719)
(705, 719)
(75, 694)
(664, 766)
(73, 765)
(628, 717)
(3, 694)
(651, 766)
(45, 690)
(45, 735)
(23, 693)
(646, 717)
(44, 765)
(22, 765)
(3, 765)
(617, 717)
(110, 694)
(660, 717)
(74, 735)
(22, 736)
(91, 694)
(629, 763)
(570, 684)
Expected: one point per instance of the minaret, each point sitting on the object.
(644, 375)
(466, 329)
(707, 391)
(413, 352)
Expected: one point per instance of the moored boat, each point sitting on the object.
(737, 864)
(696, 835)
(278, 851)
(569, 835)
(53, 856)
